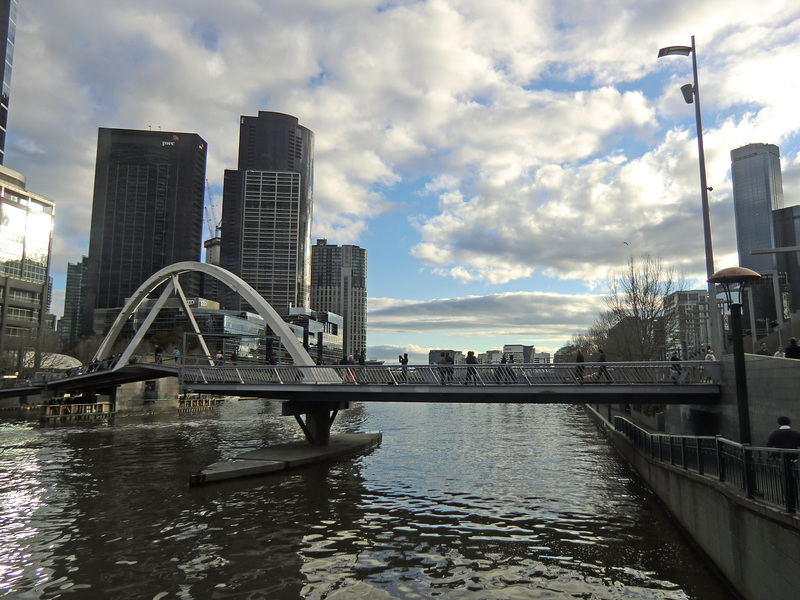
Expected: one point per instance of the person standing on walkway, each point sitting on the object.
(762, 350)
(785, 437)
(159, 354)
(710, 355)
(793, 350)
(176, 354)
(780, 353)
(579, 370)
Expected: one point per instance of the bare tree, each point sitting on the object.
(636, 322)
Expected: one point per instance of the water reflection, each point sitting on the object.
(470, 501)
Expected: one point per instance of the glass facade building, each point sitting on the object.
(26, 231)
(8, 30)
(75, 293)
(266, 212)
(757, 191)
(339, 285)
(147, 213)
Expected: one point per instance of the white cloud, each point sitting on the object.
(523, 138)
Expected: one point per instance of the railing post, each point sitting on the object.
(683, 451)
(789, 480)
(700, 466)
(747, 464)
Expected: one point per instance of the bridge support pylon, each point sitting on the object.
(319, 418)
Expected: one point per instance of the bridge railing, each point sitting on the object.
(649, 373)
(768, 474)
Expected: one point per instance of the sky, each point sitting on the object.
(497, 160)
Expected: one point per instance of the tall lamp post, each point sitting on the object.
(691, 93)
(734, 280)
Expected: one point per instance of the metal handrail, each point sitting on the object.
(650, 373)
(767, 474)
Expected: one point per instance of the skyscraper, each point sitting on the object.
(8, 31)
(74, 301)
(26, 230)
(339, 285)
(266, 211)
(757, 191)
(147, 213)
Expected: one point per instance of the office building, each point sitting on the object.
(757, 191)
(339, 285)
(266, 212)
(519, 353)
(147, 213)
(26, 231)
(787, 227)
(8, 30)
(75, 293)
(688, 333)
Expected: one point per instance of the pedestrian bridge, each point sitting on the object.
(688, 382)
(650, 382)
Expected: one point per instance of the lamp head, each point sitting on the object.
(688, 93)
(734, 279)
(669, 50)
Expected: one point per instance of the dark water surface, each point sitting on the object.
(465, 501)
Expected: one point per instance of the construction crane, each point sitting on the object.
(213, 224)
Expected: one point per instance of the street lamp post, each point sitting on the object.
(733, 281)
(691, 93)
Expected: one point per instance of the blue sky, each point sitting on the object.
(492, 157)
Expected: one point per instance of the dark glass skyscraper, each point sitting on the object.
(757, 191)
(147, 213)
(8, 31)
(74, 301)
(266, 212)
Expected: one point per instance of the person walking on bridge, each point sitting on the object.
(404, 366)
(579, 369)
(472, 372)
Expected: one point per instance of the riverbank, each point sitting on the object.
(756, 547)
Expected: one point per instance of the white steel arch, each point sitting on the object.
(169, 275)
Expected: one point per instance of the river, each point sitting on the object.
(468, 501)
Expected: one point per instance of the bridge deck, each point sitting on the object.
(654, 382)
(691, 383)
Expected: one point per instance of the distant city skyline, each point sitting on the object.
(496, 162)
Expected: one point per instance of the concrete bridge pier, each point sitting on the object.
(319, 418)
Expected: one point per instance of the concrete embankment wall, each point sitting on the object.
(754, 546)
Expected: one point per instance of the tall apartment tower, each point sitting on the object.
(8, 31)
(266, 212)
(757, 191)
(339, 285)
(147, 213)
(26, 231)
